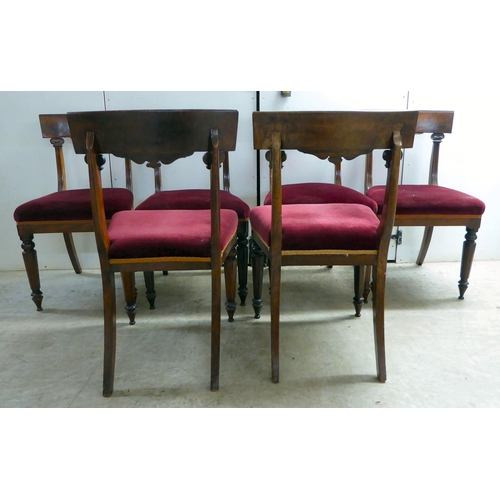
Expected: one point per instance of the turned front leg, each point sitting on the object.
(359, 282)
(467, 256)
(31, 265)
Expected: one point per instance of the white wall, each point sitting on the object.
(28, 170)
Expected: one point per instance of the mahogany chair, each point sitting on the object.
(157, 240)
(432, 205)
(328, 234)
(322, 192)
(199, 199)
(65, 211)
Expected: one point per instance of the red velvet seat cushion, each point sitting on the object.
(166, 233)
(193, 199)
(414, 199)
(320, 192)
(73, 204)
(334, 226)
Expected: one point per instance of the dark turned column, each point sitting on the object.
(130, 291)
(31, 264)
(358, 300)
(467, 257)
(367, 285)
(149, 281)
(242, 250)
(229, 273)
(258, 259)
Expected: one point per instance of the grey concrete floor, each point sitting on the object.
(441, 352)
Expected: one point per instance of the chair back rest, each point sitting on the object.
(152, 137)
(336, 135)
(436, 123)
(333, 134)
(54, 126)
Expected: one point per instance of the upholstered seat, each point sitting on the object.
(65, 211)
(427, 199)
(430, 205)
(320, 192)
(194, 199)
(323, 226)
(72, 204)
(159, 233)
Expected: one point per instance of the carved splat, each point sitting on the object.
(207, 159)
(283, 157)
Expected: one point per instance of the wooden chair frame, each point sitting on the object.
(141, 136)
(54, 127)
(437, 124)
(332, 135)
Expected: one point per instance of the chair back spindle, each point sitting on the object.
(55, 127)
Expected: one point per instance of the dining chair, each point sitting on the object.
(324, 192)
(430, 204)
(157, 240)
(328, 234)
(65, 211)
(199, 199)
